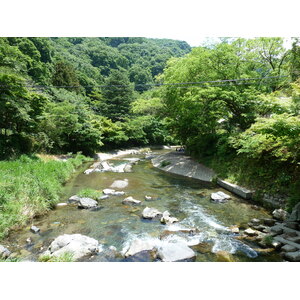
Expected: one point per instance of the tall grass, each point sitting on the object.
(30, 186)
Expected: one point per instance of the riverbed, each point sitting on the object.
(115, 225)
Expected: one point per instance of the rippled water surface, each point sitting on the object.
(116, 224)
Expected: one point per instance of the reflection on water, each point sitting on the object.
(116, 224)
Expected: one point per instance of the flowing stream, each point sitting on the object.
(116, 224)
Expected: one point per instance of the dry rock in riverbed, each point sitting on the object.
(4, 252)
(87, 203)
(178, 251)
(130, 200)
(76, 244)
(113, 192)
(167, 219)
(151, 213)
(219, 197)
(139, 246)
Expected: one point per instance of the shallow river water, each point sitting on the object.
(116, 224)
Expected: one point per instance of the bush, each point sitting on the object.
(89, 193)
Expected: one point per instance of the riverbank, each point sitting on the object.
(181, 164)
(30, 186)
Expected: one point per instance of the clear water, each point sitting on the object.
(116, 224)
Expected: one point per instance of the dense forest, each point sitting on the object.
(234, 104)
(63, 95)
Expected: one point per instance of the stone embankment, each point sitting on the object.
(181, 164)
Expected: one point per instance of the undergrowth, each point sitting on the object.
(30, 186)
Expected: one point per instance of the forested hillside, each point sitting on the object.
(76, 94)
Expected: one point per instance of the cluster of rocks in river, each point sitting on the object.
(105, 166)
(282, 233)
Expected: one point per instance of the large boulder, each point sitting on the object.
(131, 200)
(139, 246)
(151, 213)
(279, 214)
(87, 203)
(178, 251)
(119, 184)
(76, 244)
(167, 219)
(4, 252)
(219, 197)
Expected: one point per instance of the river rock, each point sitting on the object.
(269, 222)
(139, 246)
(234, 229)
(178, 251)
(108, 191)
(4, 252)
(34, 229)
(74, 199)
(104, 197)
(167, 219)
(293, 256)
(87, 203)
(148, 198)
(119, 184)
(151, 213)
(76, 244)
(219, 197)
(250, 232)
(279, 214)
(61, 204)
(118, 193)
(131, 200)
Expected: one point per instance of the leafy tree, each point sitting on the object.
(117, 96)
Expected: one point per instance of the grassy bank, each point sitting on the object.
(30, 186)
(265, 177)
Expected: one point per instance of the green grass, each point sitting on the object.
(90, 193)
(30, 186)
(65, 257)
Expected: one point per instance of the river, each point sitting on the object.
(117, 225)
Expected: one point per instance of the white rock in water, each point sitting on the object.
(149, 198)
(34, 229)
(139, 246)
(167, 219)
(87, 203)
(4, 252)
(108, 191)
(131, 200)
(119, 184)
(104, 197)
(175, 252)
(118, 193)
(127, 168)
(219, 197)
(76, 244)
(150, 213)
